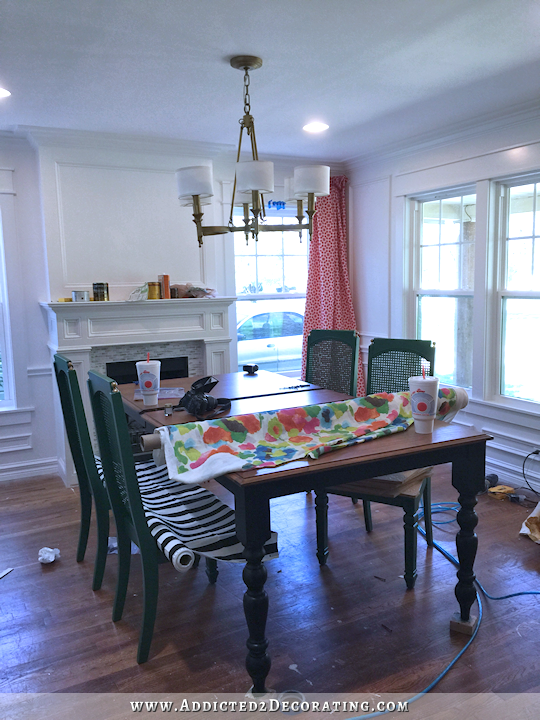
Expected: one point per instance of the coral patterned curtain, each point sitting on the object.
(328, 298)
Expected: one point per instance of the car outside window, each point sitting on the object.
(271, 280)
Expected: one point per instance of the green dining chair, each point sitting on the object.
(392, 361)
(332, 360)
(87, 466)
(167, 520)
(390, 364)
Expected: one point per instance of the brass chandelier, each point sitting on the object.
(252, 180)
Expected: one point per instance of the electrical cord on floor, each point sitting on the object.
(534, 452)
(443, 508)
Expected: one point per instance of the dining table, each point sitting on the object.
(462, 446)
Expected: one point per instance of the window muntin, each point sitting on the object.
(276, 263)
(447, 234)
(522, 245)
(444, 282)
(271, 282)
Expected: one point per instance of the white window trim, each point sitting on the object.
(488, 283)
(6, 348)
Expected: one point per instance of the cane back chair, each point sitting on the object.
(390, 364)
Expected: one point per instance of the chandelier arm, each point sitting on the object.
(255, 155)
(234, 183)
(284, 228)
(203, 231)
(310, 212)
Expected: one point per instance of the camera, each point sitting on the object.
(250, 369)
(198, 402)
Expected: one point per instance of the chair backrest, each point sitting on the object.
(332, 360)
(392, 361)
(117, 459)
(77, 428)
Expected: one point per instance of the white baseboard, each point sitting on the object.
(511, 475)
(37, 468)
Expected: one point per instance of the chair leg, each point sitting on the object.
(367, 515)
(212, 571)
(196, 561)
(428, 525)
(321, 520)
(86, 513)
(410, 524)
(124, 562)
(150, 570)
(102, 522)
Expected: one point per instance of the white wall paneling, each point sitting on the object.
(380, 186)
(27, 427)
(112, 215)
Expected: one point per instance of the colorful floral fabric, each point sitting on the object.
(198, 451)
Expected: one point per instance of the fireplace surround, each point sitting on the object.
(94, 333)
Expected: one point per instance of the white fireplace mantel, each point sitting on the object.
(83, 325)
(77, 327)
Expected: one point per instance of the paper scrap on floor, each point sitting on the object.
(531, 526)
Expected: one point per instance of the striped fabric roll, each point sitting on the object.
(185, 520)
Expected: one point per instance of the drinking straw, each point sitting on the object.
(423, 372)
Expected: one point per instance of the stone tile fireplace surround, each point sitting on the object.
(94, 333)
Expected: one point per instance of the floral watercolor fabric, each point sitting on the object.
(198, 451)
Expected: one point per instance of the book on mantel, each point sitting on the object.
(164, 282)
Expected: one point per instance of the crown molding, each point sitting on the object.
(59, 137)
(467, 130)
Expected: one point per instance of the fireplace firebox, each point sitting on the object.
(126, 370)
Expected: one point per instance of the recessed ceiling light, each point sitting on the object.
(315, 127)
(4, 93)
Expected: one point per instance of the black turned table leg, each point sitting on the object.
(253, 530)
(467, 544)
(468, 478)
(256, 611)
(321, 521)
(410, 525)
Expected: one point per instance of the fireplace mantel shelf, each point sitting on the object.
(89, 324)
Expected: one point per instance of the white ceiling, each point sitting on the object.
(379, 72)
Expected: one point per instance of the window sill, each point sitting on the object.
(521, 407)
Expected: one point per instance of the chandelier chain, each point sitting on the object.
(247, 99)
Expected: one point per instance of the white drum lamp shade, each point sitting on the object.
(255, 175)
(288, 193)
(195, 180)
(311, 179)
(241, 198)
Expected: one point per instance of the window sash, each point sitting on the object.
(449, 340)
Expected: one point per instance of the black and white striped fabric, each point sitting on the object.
(185, 520)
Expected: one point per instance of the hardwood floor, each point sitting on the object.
(349, 627)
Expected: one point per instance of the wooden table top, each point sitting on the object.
(262, 392)
(399, 445)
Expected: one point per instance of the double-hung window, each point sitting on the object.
(271, 280)
(519, 290)
(443, 280)
(487, 335)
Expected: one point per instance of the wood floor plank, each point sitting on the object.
(348, 627)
